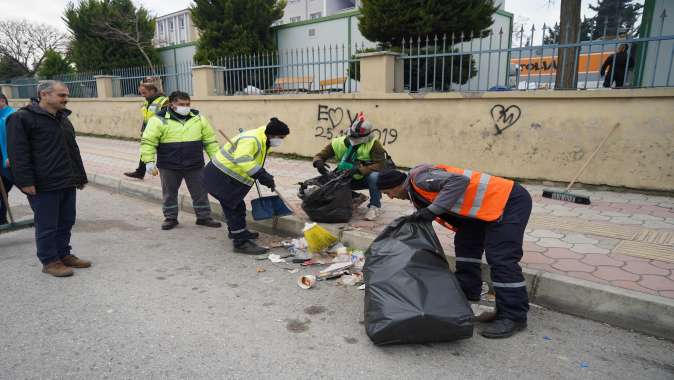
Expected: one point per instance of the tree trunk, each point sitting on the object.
(569, 33)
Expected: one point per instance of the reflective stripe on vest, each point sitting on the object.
(484, 199)
(363, 152)
(241, 166)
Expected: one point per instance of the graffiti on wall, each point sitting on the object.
(505, 117)
(335, 121)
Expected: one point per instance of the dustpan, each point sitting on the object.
(268, 207)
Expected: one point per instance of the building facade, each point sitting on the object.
(175, 29)
(302, 10)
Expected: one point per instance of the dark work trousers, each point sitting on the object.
(501, 241)
(170, 184)
(230, 193)
(370, 183)
(7, 182)
(54, 213)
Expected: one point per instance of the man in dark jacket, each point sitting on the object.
(47, 166)
(614, 67)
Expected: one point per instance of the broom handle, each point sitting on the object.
(5, 199)
(580, 172)
(226, 138)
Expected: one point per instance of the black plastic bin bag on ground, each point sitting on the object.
(411, 296)
(327, 199)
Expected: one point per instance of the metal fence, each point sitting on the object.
(126, 80)
(79, 85)
(313, 70)
(495, 63)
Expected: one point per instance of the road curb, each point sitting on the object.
(628, 309)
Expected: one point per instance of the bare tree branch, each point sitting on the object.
(109, 31)
(27, 43)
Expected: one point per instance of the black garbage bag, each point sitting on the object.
(327, 199)
(411, 296)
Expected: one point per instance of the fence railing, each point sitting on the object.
(323, 69)
(177, 77)
(495, 63)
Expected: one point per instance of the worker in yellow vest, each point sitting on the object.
(363, 156)
(173, 144)
(232, 172)
(489, 214)
(155, 101)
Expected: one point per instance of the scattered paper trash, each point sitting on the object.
(293, 271)
(358, 260)
(547, 338)
(274, 258)
(362, 287)
(584, 365)
(334, 270)
(263, 256)
(351, 279)
(260, 270)
(307, 281)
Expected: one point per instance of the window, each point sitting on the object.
(296, 19)
(170, 24)
(312, 32)
(181, 22)
(161, 27)
(315, 15)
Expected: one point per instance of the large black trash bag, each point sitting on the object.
(327, 199)
(411, 296)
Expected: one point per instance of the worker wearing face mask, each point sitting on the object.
(363, 157)
(173, 143)
(232, 172)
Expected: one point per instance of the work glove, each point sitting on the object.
(151, 168)
(321, 166)
(422, 215)
(266, 179)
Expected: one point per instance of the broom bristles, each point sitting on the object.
(318, 238)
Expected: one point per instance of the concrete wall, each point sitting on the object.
(550, 134)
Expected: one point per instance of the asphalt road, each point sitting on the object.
(180, 304)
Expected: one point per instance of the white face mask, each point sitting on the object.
(275, 141)
(183, 110)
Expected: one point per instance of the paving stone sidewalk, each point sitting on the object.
(623, 239)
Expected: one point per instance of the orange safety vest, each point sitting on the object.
(484, 199)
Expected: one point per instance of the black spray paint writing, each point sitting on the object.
(505, 118)
(340, 121)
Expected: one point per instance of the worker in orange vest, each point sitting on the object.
(489, 214)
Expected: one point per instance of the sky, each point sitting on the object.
(50, 11)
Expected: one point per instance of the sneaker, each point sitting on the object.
(75, 262)
(210, 222)
(359, 200)
(245, 235)
(169, 224)
(248, 247)
(136, 175)
(373, 213)
(57, 269)
(503, 328)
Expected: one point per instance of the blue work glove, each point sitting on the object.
(422, 215)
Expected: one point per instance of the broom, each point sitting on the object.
(567, 196)
(317, 237)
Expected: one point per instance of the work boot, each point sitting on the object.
(169, 224)
(57, 269)
(75, 262)
(136, 175)
(373, 213)
(210, 222)
(245, 235)
(248, 247)
(503, 328)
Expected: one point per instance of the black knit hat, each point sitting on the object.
(276, 127)
(389, 179)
